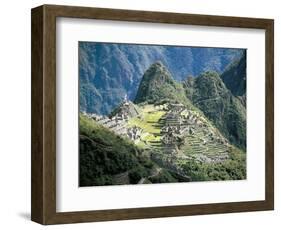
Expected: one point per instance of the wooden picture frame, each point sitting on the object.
(43, 208)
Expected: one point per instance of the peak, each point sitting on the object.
(158, 63)
(189, 78)
(158, 72)
(209, 76)
(212, 74)
(158, 84)
(157, 67)
(189, 81)
(210, 83)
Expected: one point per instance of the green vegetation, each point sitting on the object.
(205, 141)
(136, 174)
(231, 169)
(147, 121)
(157, 84)
(104, 156)
(234, 77)
(227, 113)
(108, 71)
(163, 177)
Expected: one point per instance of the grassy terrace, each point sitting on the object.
(198, 145)
(149, 122)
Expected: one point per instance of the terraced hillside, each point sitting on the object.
(166, 134)
(194, 135)
(149, 122)
(173, 137)
(209, 93)
(107, 159)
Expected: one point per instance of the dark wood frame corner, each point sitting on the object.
(43, 207)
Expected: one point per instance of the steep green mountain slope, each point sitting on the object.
(107, 72)
(234, 78)
(158, 84)
(210, 95)
(108, 159)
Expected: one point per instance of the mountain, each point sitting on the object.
(158, 84)
(164, 142)
(173, 131)
(107, 159)
(234, 77)
(209, 93)
(108, 72)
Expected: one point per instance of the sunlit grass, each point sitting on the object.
(148, 120)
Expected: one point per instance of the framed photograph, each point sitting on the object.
(141, 114)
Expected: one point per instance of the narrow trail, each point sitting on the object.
(204, 100)
(155, 173)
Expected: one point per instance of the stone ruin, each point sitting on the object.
(125, 110)
(177, 124)
(118, 122)
(134, 133)
(180, 122)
